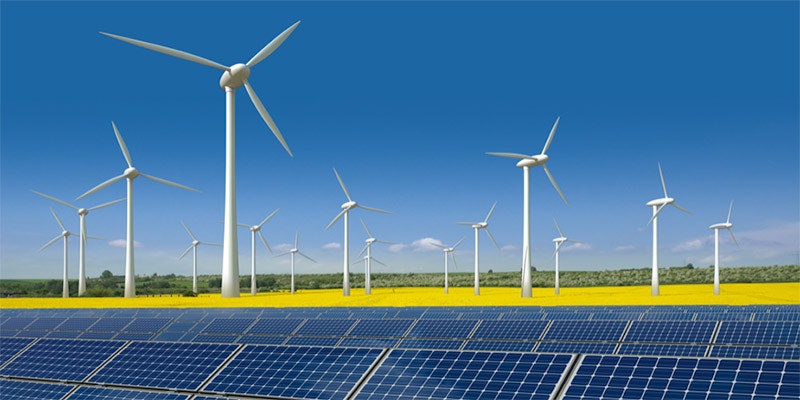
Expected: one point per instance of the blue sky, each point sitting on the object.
(404, 99)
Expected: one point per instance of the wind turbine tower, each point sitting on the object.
(526, 162)
(64, 234)
(658, 205)
(294, 251)
(368, 248)
(253, 230)
(716, 227)
(477, 226)
(130, 174)
(560, 240)
(346, 207)
(448, 250)
(193, 247)
(82, 212)
(232, 78)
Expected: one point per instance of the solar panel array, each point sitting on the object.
(437, 352)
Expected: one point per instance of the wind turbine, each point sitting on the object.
(526, 162)
(234, 77)
(193, 247)
(448, 250)
(82, 252)
(658, 205)
(253, 230)
(346, 207)
(295, 250)
(559, 241)
(130, 174)
(367, 271)
(64, 234)
(716, 227)
(477, 226)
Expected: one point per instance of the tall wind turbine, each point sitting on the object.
(64, 234)
(477, 226)
(526, 162)
(193, 247)
(295, 250)
(658, 205)
(253, 230)
(559, 241)
(130, 174)
(82, 252)
(346, 207)
(234, 77)
(448, 250)
(716, 227)
(368, 248)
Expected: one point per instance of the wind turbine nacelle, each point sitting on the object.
(533, 161)
(559, 240)
(480, 225)
(82, 211)
(349, 205)
(724, 225)
(195, 242)
(131, 173)
(371, 240)
(235, 77)
(660, 202)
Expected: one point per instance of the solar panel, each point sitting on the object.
(25, 390)
(325, 327)
(78, 323)
(273, 326)
(522, 330)
(313, 341)
(9, 347)
(61, 359)
(133, 336)
(657, 349)
(167, 365)
(215, 338)
(585, 330)
(668, 316)
(99, 393)
(576, 347)
(228, 325)
(97, 335)
(45, 324)
(484, 315)
(16, 323)
(723, 316)
(381, 327)
(671, 331)
(442, 328)
(375, 343)
(616, 315)
(568, 315)
(147, 325)
(759, 332)
(294, 372)
(430, 344)
(424, 374)
(499, 345)
(62, 335)
(261, 339)
(110, 324)
(763, 352)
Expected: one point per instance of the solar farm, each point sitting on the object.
(502, 352)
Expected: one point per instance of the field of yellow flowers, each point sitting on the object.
(732, 294)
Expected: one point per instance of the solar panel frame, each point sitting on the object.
(660, 349)
(228, 326)
(671, 331)
(759, 332)
(381, 327)
(325, 327)
(440, 344)
(442, 328)
(10, 347)
(101, 393)
(507, 329)
(499, 345)
(275, 326)
(576, 347)
(26, 390)
(574, 330)
(61, 359)
(759, 352)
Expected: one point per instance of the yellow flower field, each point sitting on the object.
(732, 294)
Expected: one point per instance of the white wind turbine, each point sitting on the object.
(448, 250)
(716, 227)
(559, 241)
(193, 247)
(82, 252)
(64, 234)
(234, 77)
(368, 248)
(526, 162)
(295, 250)
(346, 207)
(130, 174)
(658, 205)
(477, 226)
(253, 230)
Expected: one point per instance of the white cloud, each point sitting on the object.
(396, 248)
(625, 247)
(282, 247)
(332, 245)
(692, 245)
(576, 247)
(426, 244)
(122, 243)
(508, 247)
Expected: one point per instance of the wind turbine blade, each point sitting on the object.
(379, 261)
(360, 253)
(296, 238)
(658, 211)
(122, 145)
(311, 259)
(453, 257)
(102, 185)
(271, 46)
(509, 155)
(170, 183)
(61, 224)
(550, 138)
(365, 227)
(374, 209)
(84, 236)
(335, 219)
(48, 244)
(681, 208)
(558, 228)
(492, 237)
(268, 218)
(265, 116)
(466, 223)
(282, 254)
(211, 244)
(438, 245)
(733, 237)
(95, 238)
(575, 241)
(110, 203)
(663, 184)
(185, 253)
(242, 225)
(728, 221)
(489, 215)
(555, 185)
(458, 243)
(264, 240)
(385, 242)
(558, 247)
(189, 231)
(341, 183)
(168, 51)
(55, 199)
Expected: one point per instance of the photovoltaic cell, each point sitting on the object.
(430, 344)
(499, 345)
(77, 323)
(147, 325)
(261, 339)
(45, 324)
(16, 323)
(759, 332)
(576, 347)
(522, 330)
(381, 327)
(313, 341)
(110, 324)
(442, 328)
(9, 347)
(61, 359)
(99, 393)
(166, 365)
(657, 349)
(215, 338)
(25, 390)
(274, 326)
(671, 331)
(228, 325)
(325, 327)
(763, 352)
(424, 374)
(585, 331)
(294, 372)
(375, 343)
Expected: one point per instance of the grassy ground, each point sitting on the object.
(732, 294)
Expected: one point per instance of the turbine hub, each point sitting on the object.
(65, 233)
(371, 240)
(480, 225)
(131, 173)
(533, 161)
(195, 242)
(660, 202)
(559, 240)
(82, 211)
(255, 228)
(349, 205)
(724, 225)
(235, 77)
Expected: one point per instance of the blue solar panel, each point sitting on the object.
(97, 335)
(381, 327)
(169, 337)
(424, 374)
(568, 315)
(325, 327)
(215, 338)
(272, 326)
(45, 324)
(442, 328)
(430, 344)
(762, 352)
(616, 315)
(61, 359)
(25, 390)
(585, 330)
(499, 345)
(261, 339)
(658, 349)
(759, 332)
(484, 315)
(313, 341)
(9, 347)
(166, 365)
(99, 393)
(668, 316)
(671, 331)
(78, 323)
(62, 335)
(134, 336)
(16, 323)
(228, 325)
(147, 325)
(451, 314)
(576, 347)
(375, 343)
(723, 316)
(110, 324)
(522, 330)
(294, 372)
